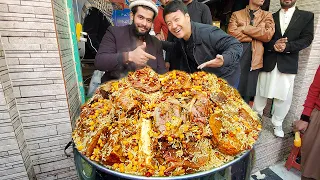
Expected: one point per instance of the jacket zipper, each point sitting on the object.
(185, 56)
(194, 47)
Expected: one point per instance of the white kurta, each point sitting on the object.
(275, 84)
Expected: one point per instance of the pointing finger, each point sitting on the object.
(201, 66)
(149, 56)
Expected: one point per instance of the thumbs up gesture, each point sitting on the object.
(139, 55)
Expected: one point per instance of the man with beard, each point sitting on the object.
(131, 47)
(251, 26)
(293, 32)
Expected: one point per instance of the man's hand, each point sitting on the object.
(300, 126)
(139, 56)
(160, 36)
(167, 64)
(217, 62)
(241, 28)
(280, 44)
(282, 40)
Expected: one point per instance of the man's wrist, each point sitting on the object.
(126, 57)
(305, 118)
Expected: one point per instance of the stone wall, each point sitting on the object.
(38, 76)
(14, 155)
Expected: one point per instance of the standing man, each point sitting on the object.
(199, 12)
(201, 46)
(252, 26)
(309, 125)
(159, 26)
(130, 47)
(294, 32)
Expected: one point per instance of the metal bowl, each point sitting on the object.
(187, 176)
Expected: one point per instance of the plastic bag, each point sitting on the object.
(95, 82)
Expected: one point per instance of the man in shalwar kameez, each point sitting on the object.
(294, 31)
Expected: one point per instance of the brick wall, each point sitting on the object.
(14, 155)
(308, 60)
(38, 76)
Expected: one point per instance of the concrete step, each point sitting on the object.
(277, 172)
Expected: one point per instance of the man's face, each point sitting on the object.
(143, 20)
(178, 24)
(287, 3)
(165, 2)
(257, 2)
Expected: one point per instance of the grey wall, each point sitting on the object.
(42, 90)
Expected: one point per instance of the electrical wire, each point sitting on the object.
(92, 44)
(87, 79)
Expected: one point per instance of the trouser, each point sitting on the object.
(280, 108)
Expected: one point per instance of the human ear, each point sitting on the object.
(131, 16)
(187, 16)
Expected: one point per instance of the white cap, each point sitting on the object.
(148, 3)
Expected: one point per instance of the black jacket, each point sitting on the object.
(299, 34)
(115, 45)
(209, 41)
(199, 12)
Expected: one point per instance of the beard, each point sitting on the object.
(136, 30)
(285, 5)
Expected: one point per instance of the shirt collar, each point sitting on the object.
(254, 11)
(290, 10)
(191, 2)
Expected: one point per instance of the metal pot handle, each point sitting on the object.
(67, 146)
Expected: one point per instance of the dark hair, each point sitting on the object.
(135, 9)
(174, 6)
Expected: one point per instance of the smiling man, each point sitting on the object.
(130, 47)
(202, 46)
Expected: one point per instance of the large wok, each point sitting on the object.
(205, 175)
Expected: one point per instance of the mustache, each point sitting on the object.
(144, 27)
(287, 5)
(136, 30)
